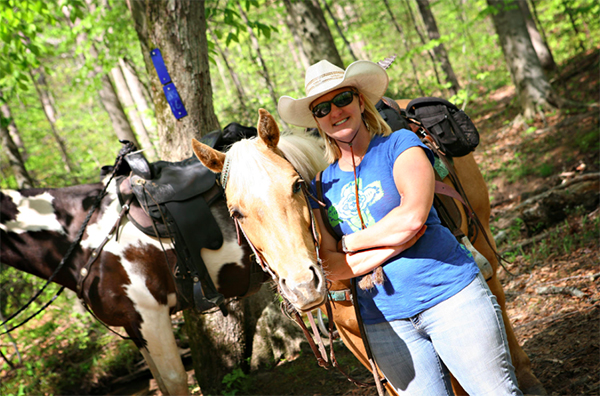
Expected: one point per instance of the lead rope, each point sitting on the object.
(350, 144)
(79, 236)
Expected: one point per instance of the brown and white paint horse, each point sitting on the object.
(131, 284)
(263, 194)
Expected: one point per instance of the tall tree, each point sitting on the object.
(239, 88)
(439, 50)
(126, 98)
(569, 12)
(10, 149)
(218, 343)
(41, 86)
(289, 22)
(339, 29)
(12, 128)
(539, 44)
(310, 22)
(114, 108)
(422, 39)
(107, 93)
(178, 30)
(261, 60)
(406, 46)
(349, 18)
(534, 90)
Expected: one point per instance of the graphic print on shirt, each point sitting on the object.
(345, 210)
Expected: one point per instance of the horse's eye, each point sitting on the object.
(297, 186)
(235, 214)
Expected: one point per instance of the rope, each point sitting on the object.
(128, 148)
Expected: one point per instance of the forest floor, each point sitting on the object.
(552, 290)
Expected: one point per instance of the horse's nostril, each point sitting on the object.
(316, 277)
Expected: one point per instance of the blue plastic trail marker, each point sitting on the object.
(168, 87)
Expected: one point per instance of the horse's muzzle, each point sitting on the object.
(305, 292)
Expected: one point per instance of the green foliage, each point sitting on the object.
(63, 351)
(21, 25)
(236, 381)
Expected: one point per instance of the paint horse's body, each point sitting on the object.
(265, 199)
(130, 284)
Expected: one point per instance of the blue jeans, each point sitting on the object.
(464, 334)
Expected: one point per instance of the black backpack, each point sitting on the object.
(450, 127)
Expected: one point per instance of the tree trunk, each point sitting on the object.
(569, 12)
(115, 111)
(405, 42)
(532, 87)
(422, 39)
(144, 88)
(253, 334)
(108, 96)
(12, 152)
(39, 82)
(178, 29)
(234, 77)
(340, 32)
(139, 97)
(12, 129)
(132, 114)
(261, 62)
(297, 41)
(348, 17)
(440, 50)
(541, 47)
(317, 40)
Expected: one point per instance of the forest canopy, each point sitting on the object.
(61, 55)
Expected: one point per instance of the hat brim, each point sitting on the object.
(369, 78)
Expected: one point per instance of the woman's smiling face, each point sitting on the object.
(342, 122)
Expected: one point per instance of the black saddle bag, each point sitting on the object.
(450, 127)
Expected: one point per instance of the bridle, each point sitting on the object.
(318, 350)
(240, 230)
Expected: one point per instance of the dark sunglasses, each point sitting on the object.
(340, 100)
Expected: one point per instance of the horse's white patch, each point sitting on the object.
(230, 252)
(128, 233)
(156, 329)
(36, 213)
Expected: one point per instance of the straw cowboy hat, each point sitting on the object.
(369, 78)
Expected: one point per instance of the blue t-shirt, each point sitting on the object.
(434, 269)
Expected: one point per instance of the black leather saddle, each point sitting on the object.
(172, 200)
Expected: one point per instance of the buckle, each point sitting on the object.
(340, 295)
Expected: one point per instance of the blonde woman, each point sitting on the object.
(430, 312)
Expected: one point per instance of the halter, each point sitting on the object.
(238, 226)
(317, 347)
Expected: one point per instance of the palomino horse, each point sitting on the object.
(263, 193)
(131, 284)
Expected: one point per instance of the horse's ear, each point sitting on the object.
(268, 131)
(209, 157)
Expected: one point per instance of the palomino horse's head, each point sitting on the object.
(264, 180)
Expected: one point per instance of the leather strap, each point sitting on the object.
(378, 380)
(324, 214)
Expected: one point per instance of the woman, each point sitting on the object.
(431, 312)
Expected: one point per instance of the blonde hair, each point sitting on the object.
(373, 121)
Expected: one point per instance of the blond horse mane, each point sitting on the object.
(304, 152)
